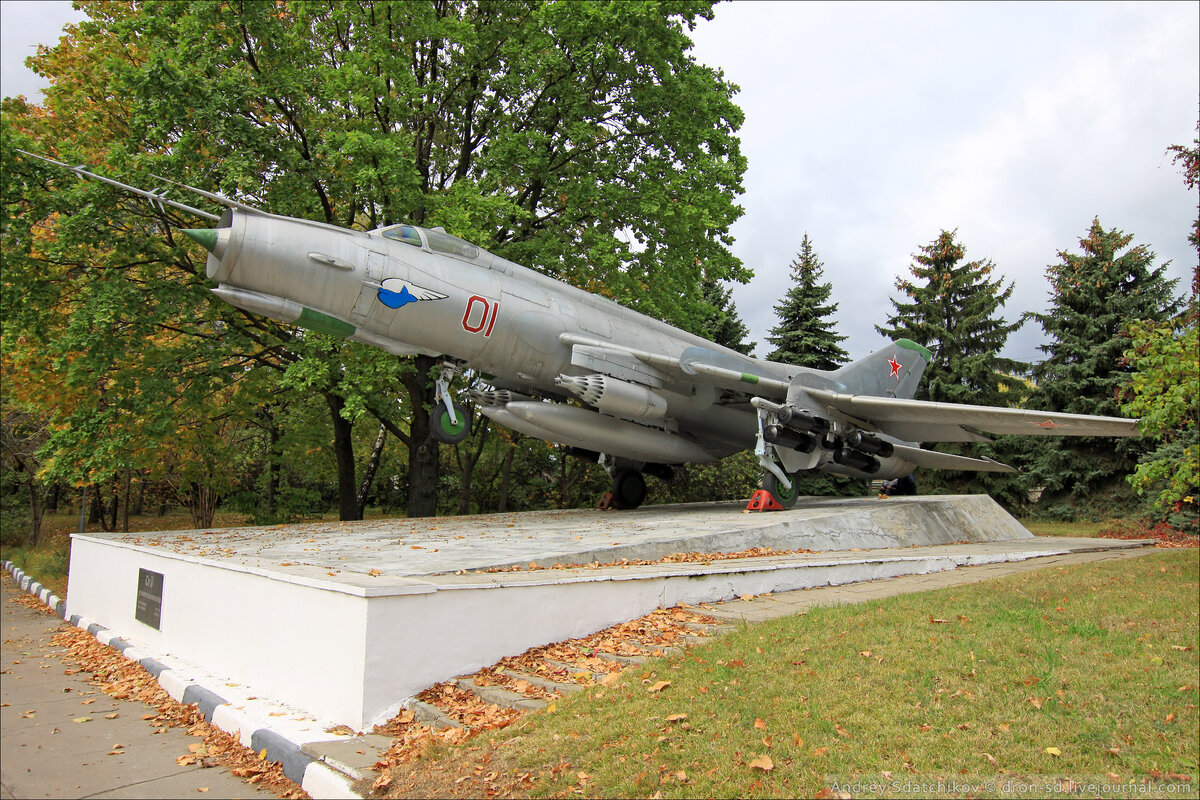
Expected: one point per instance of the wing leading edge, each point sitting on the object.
(924, 421)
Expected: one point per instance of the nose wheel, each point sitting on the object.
(447, 429)
(449, 422)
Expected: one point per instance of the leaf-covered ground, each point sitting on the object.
(123, 679)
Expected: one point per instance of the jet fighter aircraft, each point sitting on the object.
(634, 393)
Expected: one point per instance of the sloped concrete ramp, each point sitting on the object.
(349, 620)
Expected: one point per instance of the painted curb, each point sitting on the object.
(312, 775)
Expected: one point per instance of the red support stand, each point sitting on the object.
(763, 501)
(606, 502)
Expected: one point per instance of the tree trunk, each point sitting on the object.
(467, 468)
(343, 449)
(139, 508)
(128, 496)
(36, 509)
(202, 504)
(372, 468)
(116, 501)
(272, 467)
(504, 477)
(423, 462)
(96, 513)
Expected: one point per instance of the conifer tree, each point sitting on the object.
(721, 322)
(805, 334)
(1096, 296)
(954, 311)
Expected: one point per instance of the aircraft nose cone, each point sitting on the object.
(206, 237)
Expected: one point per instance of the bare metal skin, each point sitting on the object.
(648, 394)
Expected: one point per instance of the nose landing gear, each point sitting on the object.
(449, 422)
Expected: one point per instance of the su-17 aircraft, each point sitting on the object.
(648, 396)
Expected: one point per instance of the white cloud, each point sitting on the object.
(874, 126)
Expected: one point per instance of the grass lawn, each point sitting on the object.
(1049, 528)
(1087, 673)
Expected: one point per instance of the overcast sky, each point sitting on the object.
(873, 127)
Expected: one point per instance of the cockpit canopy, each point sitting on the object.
(436, 240)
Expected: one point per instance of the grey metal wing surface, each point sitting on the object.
(924, 421)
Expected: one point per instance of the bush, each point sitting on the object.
(14, 519)
(292, 503)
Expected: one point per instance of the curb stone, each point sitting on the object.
(313, 775)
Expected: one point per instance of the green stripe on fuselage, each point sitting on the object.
(748, 378)
(323, 323)
(909, 344)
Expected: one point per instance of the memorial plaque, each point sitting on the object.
(149, 598)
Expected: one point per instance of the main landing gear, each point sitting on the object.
(629, 481)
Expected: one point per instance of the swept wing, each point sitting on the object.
(924, 421)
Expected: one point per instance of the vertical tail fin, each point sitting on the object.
(891, 371)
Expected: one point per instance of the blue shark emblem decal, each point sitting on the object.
(396, 293)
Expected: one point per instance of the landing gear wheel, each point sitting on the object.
(628, 489)
(784, 496)
(445, 431)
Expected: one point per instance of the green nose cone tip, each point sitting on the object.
(208, 238)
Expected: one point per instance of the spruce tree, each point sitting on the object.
(721, 322)
(805, 334)
(953, 310)
(805, 337)
(1096, 296)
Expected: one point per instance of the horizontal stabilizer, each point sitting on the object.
(935, 460)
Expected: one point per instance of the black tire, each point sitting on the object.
(628, 489)
(445, 431)
(785, 497)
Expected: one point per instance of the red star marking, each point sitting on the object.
(1048, 424)
(895, 365)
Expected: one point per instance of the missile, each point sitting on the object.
(801, 419)
(784, 437)
(582, 428)
(616, 397)
(869, 444)
(856, 460)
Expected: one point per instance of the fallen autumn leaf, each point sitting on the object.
(763, 763)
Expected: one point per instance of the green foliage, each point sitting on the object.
(1165, 393)
(14, 511)
(1097, 295)
(580, 139)
(732, 478)
(721, 323)
(805, 334)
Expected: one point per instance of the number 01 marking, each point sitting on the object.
(487, 312)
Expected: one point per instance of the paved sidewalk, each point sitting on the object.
(781, 604)
(44, 753)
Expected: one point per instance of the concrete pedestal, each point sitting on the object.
(348, 620)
